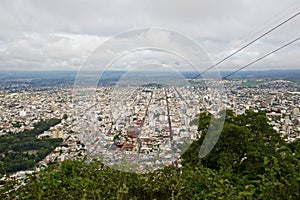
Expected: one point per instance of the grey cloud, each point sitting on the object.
(54, 33)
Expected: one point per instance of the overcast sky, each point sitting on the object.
(59, 35)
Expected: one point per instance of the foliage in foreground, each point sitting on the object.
(250, 161)
(79, 180)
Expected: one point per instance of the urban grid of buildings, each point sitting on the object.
(150, 125)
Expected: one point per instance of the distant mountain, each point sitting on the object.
(113, 76)
(267, 74)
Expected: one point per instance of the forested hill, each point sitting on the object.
(249, 161)
(24, 150)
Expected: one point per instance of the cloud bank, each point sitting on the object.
(59, 35)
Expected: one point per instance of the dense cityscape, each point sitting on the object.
(149, 100)
(151, 125)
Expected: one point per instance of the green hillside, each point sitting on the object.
(250, 161)
(22, 151)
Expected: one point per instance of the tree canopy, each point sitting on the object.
(249, 161)
(22, 151)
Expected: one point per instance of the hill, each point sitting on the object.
(249, 161)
